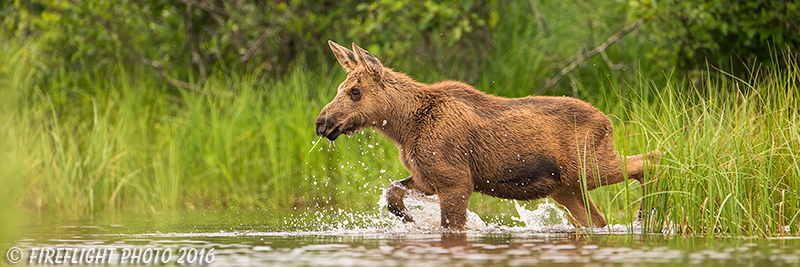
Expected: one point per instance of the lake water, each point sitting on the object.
(339, 238)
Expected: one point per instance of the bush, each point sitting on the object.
(728, 34)
(266, 37)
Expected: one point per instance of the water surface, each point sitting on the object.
(339, 238)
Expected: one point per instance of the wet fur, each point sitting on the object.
(456, 140)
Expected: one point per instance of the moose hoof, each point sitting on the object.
(640, 213)
(402, 215)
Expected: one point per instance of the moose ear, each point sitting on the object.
(366, 59)
(345, 57)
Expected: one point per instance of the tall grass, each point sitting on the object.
(244, 144)
(731, 147)
(12, 167)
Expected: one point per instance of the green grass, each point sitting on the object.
(13, 167)
(731, 152)
(244, 144)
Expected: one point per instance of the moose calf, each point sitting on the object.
(455, 140)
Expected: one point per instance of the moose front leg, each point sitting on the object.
(453, 202)
(395, 194)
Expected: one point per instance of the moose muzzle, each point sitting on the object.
(327, 127)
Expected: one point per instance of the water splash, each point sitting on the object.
(546, 218)
(427, 213)
(546, 215)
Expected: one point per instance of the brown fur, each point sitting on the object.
(456, 140)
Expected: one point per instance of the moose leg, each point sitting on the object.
(612, 172)
(636, 165)
(636, 168)
(454, 202)
(395, 194)
(575, 204)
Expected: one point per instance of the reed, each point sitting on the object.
(730, 164)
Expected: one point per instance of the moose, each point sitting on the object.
(456, 140)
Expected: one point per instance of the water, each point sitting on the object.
(341, 238)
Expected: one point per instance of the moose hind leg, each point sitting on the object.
(638, 163)
(395, 194)
(574, 202)
(613, 172)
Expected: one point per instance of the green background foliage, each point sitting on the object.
(262, 36)
(729, 34)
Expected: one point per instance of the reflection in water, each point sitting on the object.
(450, 240)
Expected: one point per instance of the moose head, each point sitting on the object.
(362, 100)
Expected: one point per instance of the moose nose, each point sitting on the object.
(322, 125)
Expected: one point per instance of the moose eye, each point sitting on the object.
(355, 94)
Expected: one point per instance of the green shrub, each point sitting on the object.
(266, 37)
(728, 34)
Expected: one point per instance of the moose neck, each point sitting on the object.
(404, 98)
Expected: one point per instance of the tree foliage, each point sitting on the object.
(264, 36)
(725, 33)
(184, 40)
